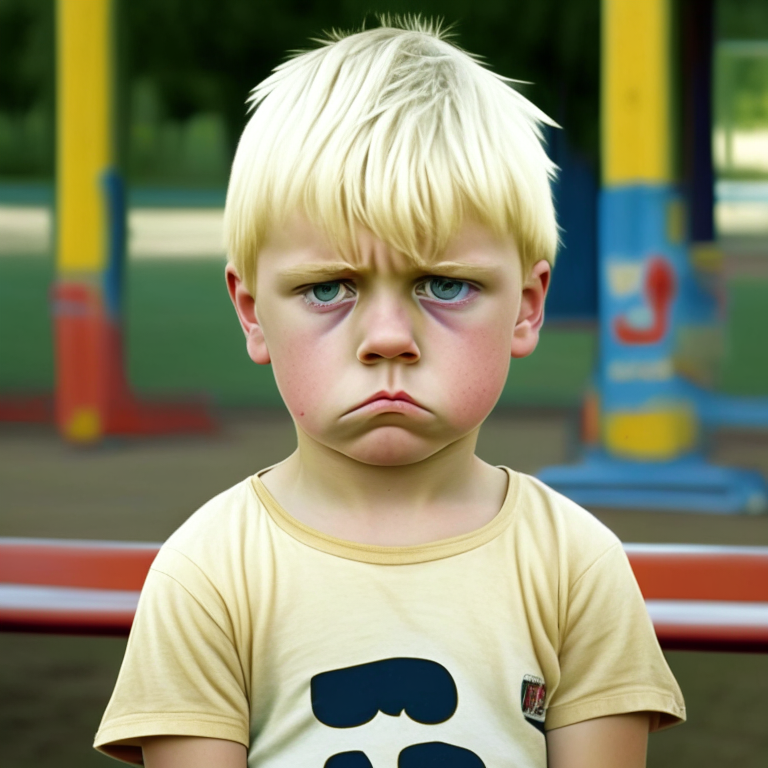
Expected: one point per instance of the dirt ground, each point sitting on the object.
(53, 689)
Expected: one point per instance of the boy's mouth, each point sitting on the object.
(383, 395)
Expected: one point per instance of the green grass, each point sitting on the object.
(746, 363)
(183, 335)
(26, 359)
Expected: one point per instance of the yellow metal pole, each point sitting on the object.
(84, 149)
(635, 108)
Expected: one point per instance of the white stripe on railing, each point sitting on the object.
(79, 543)
(712, 613)
(692, 549)
(25, 596)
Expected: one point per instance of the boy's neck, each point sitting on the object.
(448, 494)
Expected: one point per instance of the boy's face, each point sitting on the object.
(338, 336)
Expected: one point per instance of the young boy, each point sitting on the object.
(383, 597)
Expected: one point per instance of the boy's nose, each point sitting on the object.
(387, 333)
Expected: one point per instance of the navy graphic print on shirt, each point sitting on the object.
(423, 689)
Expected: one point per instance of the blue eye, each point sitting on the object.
(324, 292)
(446, 289)
(327, 294)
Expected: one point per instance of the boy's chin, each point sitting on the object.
(391, 451)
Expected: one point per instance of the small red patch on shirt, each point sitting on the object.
(532, 696)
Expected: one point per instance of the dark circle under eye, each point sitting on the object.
(326, 291)
(445, 289)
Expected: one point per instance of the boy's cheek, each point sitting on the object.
(306, 371)
(481, 375)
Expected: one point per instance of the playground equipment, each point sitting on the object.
(699, 597)
(92, 398)
(658, 282)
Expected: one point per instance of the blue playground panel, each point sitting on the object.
(648, 290)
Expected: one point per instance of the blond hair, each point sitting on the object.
(398, 130)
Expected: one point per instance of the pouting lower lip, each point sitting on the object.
(397, 396)
(404, 401)
(389, 404)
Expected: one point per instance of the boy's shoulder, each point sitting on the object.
(559, 526)
(217, 529)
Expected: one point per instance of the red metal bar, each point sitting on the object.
(73, 563)
(693, 572)
(699, 597)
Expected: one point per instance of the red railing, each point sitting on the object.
(699, 597)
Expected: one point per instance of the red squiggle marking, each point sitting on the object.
(660, 290)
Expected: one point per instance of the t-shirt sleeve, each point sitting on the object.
(610, 659)
(181, 674)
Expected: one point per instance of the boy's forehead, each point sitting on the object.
(299, 245)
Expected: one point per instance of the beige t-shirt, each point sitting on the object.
(256, 628)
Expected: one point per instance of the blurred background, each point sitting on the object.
(183, 72)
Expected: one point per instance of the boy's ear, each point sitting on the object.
(531, 315)
(245, 306)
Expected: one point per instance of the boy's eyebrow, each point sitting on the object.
(462, 269)
(318, 271)
(329, 270)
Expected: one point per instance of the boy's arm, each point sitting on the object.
(192, 752)
(618, 741)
